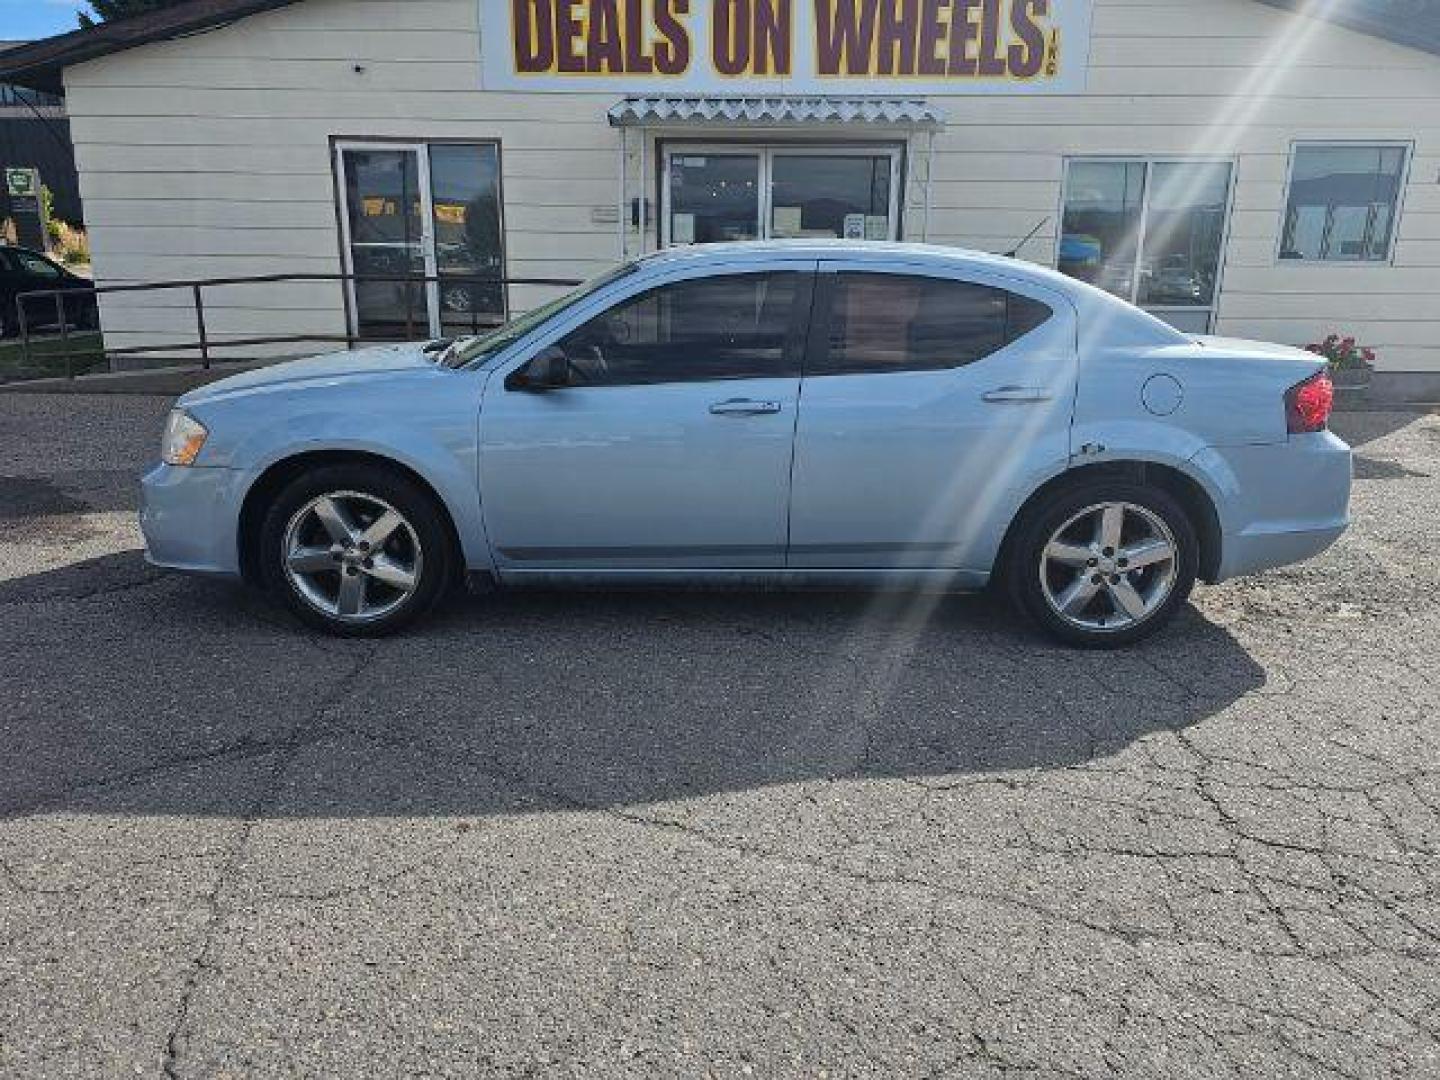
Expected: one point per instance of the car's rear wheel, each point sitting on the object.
(356, 551)
(1104, 564)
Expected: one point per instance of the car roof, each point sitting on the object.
(879, 251)
(822, 249)
(1120, 321)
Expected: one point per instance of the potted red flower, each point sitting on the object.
(1351, 364)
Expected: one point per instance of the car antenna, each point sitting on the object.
(1015, 251)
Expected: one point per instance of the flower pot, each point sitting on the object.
(1351, 378)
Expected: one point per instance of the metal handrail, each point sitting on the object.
(203, 341)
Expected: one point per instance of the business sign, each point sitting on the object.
(27, 208)
(786, 47)
(22, 183)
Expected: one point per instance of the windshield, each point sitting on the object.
(469, 350)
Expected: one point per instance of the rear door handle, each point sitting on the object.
(1016, 393)
(744, 407)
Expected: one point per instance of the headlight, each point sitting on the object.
(184, 436)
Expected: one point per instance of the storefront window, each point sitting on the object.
(714, 197)
(760, 193)
(821, 196)
(1184, 229)
(1151, 232)
(1341, 205)
(1101, 240)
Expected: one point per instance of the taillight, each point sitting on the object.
(1308, 404)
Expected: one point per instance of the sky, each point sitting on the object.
(21, 20)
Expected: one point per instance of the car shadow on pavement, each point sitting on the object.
(136, 691)
(75, 492)
(1362, 427)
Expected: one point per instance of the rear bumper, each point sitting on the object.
(1280, 504)
(188, 518)
(1253, 552)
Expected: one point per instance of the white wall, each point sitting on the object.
(210, 156)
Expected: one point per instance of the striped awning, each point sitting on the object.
(774, 112)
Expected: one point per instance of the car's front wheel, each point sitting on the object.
(1105, 564)
(356, 551)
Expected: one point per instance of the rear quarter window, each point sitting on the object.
(898, 322)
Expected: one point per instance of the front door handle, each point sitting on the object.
(1016, 393)
(744, 407)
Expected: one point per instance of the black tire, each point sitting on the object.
(427, 539)
(1025, 569)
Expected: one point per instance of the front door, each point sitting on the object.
(669, 444)
(928, 400)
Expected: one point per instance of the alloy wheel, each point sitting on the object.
(352, 556)
(1109, 567)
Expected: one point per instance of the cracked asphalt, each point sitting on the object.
(709, 835)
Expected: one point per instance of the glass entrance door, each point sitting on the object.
(713, 194)
(387, 218)
(421, 212)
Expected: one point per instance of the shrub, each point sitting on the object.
(1343, 353)
(77, 253)
(70, 244)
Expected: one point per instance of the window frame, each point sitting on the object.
(1407, 148)
(339, 144)
(766, 150)
(1150, 161)
(827, 289)
(796, 333)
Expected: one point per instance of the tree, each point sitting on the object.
(110, 10)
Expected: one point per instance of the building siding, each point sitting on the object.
(211, 156)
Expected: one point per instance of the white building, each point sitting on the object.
(1256, 168)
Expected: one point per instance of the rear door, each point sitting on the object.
(930, 398)
(670, 446)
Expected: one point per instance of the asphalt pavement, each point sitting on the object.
(707, 834)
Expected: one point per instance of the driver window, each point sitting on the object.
(731, 327)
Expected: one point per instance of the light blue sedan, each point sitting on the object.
(779, 413)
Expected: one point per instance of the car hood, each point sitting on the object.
(325, 368)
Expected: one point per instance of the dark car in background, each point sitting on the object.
(23, 270)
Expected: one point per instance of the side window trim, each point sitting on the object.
(822, 310)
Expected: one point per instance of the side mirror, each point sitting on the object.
(547, 370)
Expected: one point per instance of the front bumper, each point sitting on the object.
(190, 519)
(1281, 504)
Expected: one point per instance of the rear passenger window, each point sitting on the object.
(891, 322)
